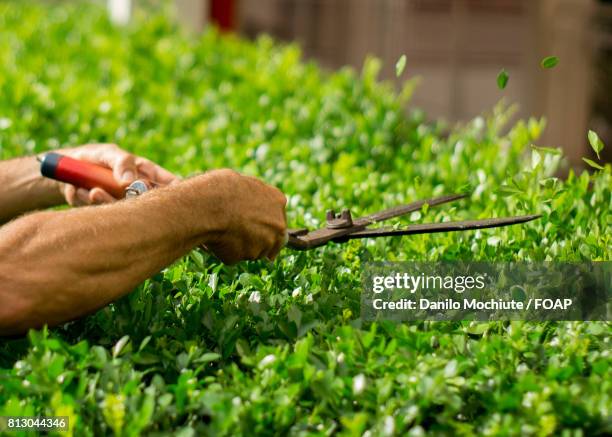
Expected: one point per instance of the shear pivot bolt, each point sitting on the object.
(342, 220)
(135, 189)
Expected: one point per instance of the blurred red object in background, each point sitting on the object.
(223, 14)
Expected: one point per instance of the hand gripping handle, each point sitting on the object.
(81, 174)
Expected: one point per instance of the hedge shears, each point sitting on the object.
(339, 227)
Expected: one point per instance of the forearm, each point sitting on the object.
(56, 266)
(23, 189)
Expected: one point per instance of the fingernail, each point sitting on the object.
(97, 198)
(128, 176)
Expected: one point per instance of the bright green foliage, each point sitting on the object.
(400, 65)
(595, 142)
(192, 351)
(549, 62)
(593, 164)
(502, 79)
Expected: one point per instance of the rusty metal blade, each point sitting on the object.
(297, 239)
(405, 209)
(428, 228)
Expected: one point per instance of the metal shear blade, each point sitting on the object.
(342, 227)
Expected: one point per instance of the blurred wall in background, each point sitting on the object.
(458, 47)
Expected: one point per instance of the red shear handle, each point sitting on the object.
(81, 174)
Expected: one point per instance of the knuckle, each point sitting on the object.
(126, 158)
(281, 223)
(224, 174)
(227, 172)
(109, 147)
(281, 196)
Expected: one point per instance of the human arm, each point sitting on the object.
(58, 265)
(23, 189)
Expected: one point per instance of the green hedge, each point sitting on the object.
(191, 351)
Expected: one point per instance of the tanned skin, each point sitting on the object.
(56, 266)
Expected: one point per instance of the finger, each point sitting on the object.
(70, 194)
(154, 172)
(258, 248)
(266, 248)
(82, 197)
(112, 156)
(163, 176)
(228, 259)
(98, 196)
(261, 255)
(281, 197)
(124, 167)
(227, 255)
(280, 243)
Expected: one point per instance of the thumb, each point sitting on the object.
(124, 168)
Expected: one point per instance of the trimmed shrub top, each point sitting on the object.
(276, 348)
